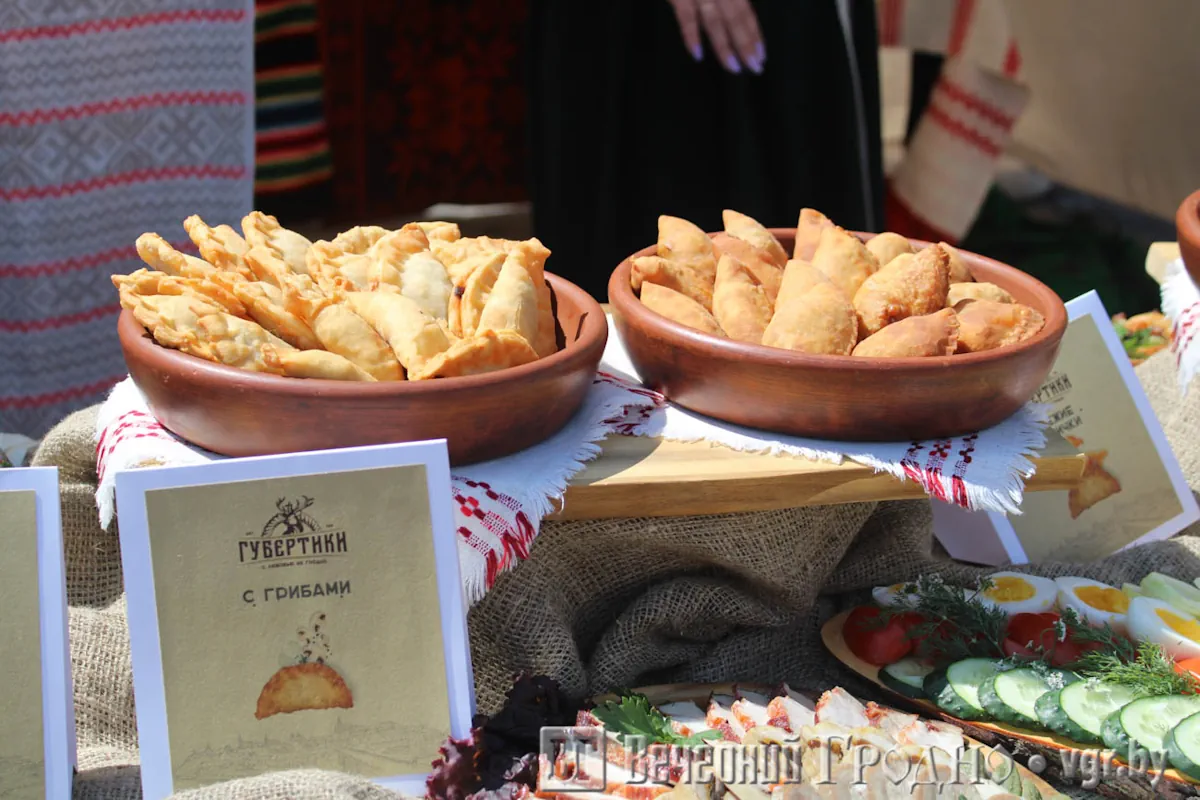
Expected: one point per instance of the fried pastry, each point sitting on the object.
(986, 324)
(679, 308)
(488, 351)
(959, 272)
(754, 260)
(931, 335)
(340, 330)
(263, 230)
(265, 304)
(171, 319)
(220, 246)
(160, 256)
(977, 291)
(798, 277)
(751, 231)
(886, 246)
(1096, 484)
(512, 303)
(395, 246)
(358, 240)
(467, 305)
(673, 275)
(808, 233)
(267, 266)
(443, 231)
(312, 686)
(684, 243)
(313, 364)
(414, 273)
(146, 282)
(236, 342)
(334, 268)
(844, 260)
(819, 321)
(414, 336)
(740, 302)
(910, 286)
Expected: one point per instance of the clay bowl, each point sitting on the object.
(841, 397)
(1187, 229)
(239, 413)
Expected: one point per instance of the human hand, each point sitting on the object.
(731, 27)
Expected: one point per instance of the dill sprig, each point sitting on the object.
(1151, 673)
(1110, 642)
(956, 624)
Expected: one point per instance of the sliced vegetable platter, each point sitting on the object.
(1054, 665)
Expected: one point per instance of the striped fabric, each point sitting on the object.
(116, 117)
(292, 140)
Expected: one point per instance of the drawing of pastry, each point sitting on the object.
(310, 684)
(1097, 484)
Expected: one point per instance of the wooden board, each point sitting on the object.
(700, 693)
(641, 476)
(1046, 745)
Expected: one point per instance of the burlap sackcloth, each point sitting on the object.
(597, 604)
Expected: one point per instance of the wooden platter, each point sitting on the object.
(1048, 746)
(641, 476)
(699, 693)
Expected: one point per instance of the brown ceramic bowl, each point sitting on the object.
(841, 397)
(1187, 229)
(239, 413)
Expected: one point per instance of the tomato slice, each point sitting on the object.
(875, 641)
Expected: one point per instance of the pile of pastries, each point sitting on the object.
(836, 295)
(374, 304)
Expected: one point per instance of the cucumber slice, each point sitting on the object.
(1182, 744)
(1078, 710)
(956, 689)
(1146, 722)
(1010, 696)
(906, 677)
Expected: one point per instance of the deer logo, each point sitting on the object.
(291, 518)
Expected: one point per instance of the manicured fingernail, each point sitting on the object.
(697, 51)
(755, 64)
(760, 52)
(731, 63)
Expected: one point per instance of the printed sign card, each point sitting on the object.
(37, 752)
(1132, 489)
(295, 611)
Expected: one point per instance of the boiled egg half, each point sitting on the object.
(1159, 623)
(892, 596)
(1096, 603)
(1018, 593)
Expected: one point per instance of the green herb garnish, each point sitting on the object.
(1150, 673)
(633, 715)
(956, 624)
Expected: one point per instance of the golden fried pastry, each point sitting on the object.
(171, 319)
(679, 308)
(312, 686)
(236, 342)
(468, 304)
(683, 243)
(267, 266)
(162, 257)
(931, 335)
(959, 272)
(740, 302)
(886, 246)
(313, 364)
(673, 275)
(986, 324)
(910, 286)
(798, 277)
(753, 259)
(146, 282)
(263, 230)
(395, 246)
(976, 291)
(358, 240)
(751, 231)
(844, 260)
(340, 330)
(488, 351)
(819, 321)
(334, 268)
(414, 336)
(512, 302)
(808, 233)
(220, 246)
(1097, 484)
(444, 231)
(265, 305)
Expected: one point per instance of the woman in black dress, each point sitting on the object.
(646, 107)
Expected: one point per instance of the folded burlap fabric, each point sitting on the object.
(597, 604)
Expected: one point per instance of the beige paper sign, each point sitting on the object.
(299, 625)
(1126, 489)
(22, 754)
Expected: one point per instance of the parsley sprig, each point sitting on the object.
(633, 715)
